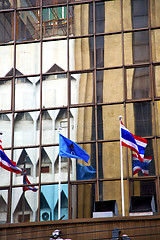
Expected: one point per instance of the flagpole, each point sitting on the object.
(59, 187)
(121, 161)
(23, 198)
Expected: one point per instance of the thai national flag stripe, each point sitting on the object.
(7, 164)
(133, 142)
(26, 181)
(141, 166)
(136, 169)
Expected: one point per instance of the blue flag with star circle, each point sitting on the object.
(70, 149)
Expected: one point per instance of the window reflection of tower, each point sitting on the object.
(141, 77)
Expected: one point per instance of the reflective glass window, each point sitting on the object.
(107, 84)
(139, 118)
(81, 88)
(54, 21)
(5, 94)
(7, 27)
(49, 202)
(82, 123)
(6, 129)
(26, 93)
(108, 121)
(81, 207)
(25, 132)
(54, 90)
(28, 25)
(138, 83)
(26, 159)
(6, 4)
(31, 3)
(112, 46)
(81, 53)
(3, 206)
(54, 56)
(24, 206)
(28, 59)
(6, 70)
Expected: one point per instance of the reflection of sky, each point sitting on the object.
(51, 194)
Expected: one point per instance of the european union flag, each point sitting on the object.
(85, 172)
(68, 148)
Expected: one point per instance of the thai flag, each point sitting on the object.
(140, 166)
(26, 181)
(136, 144)
(6, 163)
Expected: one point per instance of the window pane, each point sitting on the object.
(143, 188)
(81, 53)
(140, 43)
(112, 46)
(148, 167)
(143, 197)
(24, 129)
(24, 206)
(26, 93)
(155, 20)
(82, 14)
(157, 117)
(83, 204)
(54, 21)
(108, 121)
(112, 191)
(158, 152)
(5, 94)
(135, 14)
(112, 15)
(138, 83)
(6, 70)
(26, 159)
(54, 90)
(157, 80)
(6, 129)
(6, 4)
(54, 56)
(136, 47)
(50, 163)
(81, 88)
(109, 160)
(81, 166)
(107, 83)
(28, 59)
(49, 199)
(28, 25)
(50, 2)
(3, 206)
(82, 122)
(31, 3)
(7, 27)
(139, 118)
(5, 175)
(155, 45)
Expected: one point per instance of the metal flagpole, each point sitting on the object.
(59, 187)
(59, 190)
(23, 198)
(121, 161)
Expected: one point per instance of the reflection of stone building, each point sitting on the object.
(77, 65)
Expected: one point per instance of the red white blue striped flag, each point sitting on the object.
(135, 143)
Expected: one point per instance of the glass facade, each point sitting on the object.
(77, 66)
